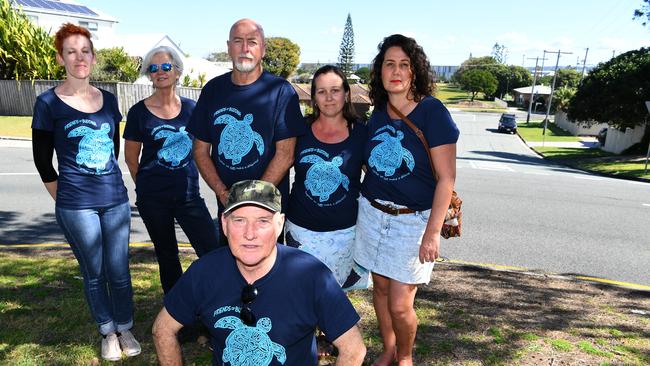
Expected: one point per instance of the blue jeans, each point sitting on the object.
(100, 241)
(195, 220)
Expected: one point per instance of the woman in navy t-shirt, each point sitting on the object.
(165, 175)
(323, 205)
(403, 205)
(81, 123)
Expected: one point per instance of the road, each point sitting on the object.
(518, 209)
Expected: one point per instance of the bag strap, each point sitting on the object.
(418, 132)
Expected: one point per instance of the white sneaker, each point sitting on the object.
(130, 346)
(111, 348)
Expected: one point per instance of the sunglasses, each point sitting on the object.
(248, 295)
(164, 67)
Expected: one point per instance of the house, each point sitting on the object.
(51, 14)
(541, 97)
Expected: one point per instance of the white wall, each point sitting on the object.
(617, 141)
(577, 128)
(52, 22)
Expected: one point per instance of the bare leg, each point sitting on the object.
(380, 292)
(401, 297)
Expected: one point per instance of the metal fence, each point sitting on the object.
(17, 98)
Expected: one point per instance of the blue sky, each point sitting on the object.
(448, 30)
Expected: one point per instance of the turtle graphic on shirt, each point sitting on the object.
(389, 154)
(249, 346)
(324, 177)
(96, 146)
(237, 138)
(177, 145)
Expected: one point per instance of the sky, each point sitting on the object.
(449, 31)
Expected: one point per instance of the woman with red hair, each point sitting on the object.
(81, 123)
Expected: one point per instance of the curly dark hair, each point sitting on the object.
(348, 111)
(422, 82)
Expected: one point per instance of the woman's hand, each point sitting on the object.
(430, 247)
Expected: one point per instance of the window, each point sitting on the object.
(92, 26)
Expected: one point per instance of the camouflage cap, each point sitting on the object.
(254, 192)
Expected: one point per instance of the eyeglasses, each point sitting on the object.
(248, 295)
(164, 67)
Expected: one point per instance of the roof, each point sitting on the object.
(539, 90)
(67, 7)
(137, 44)
(303, 91)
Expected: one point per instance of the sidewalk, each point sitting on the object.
(585, 143)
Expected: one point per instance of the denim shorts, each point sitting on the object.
(389, 245)
(334, 249)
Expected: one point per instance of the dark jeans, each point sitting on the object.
(195, 220)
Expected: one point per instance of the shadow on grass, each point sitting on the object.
(42, 303)
(491, 317)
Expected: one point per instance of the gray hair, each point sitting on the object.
(177, 61)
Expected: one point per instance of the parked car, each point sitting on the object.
(507, 123)
(602, 136)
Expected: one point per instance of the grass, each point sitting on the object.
(45, 320)
(618, 168)
(16, 126)
(533, 132)
(447, 93)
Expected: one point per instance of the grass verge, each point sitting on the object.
(533, 132)
(16, 126)
(467, 316)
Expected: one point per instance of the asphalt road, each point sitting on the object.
(518, 209)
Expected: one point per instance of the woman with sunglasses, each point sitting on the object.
(158, 152)
(81, 123)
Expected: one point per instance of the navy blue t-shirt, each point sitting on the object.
(167, 170)
(89, 176)
(243, 123)
(398, 166)
(287, 315)
(325, 193)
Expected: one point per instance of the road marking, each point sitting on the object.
(646, 204)
(18, 173)
(587, 177)
(537, 173)
(491, 165)
(617, 283)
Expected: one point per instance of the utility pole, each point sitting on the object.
(584, 64)
(532, 90)
(550, 100)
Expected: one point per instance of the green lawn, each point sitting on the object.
(45, 319)
(567, 153)
(450, 94)
(14, 126)
(533, 132)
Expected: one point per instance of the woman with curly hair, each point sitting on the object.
(403, 205)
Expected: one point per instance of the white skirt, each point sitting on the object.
(334, 249)
(389, 245)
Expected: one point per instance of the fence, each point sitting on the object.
(17, 97)
(577, 128)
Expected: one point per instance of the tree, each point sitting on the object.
(218, 57)
(114, 64)
(500, 53)
(26, 51)
(363, 73)
(562, 97)
(346, 50)
(282, 56)
(568, 77)
(643, 13)
(483, 63)
(477, 80)
(615, 91)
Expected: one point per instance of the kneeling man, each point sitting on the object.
(261, 300)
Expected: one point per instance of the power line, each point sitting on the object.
(548, 107)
